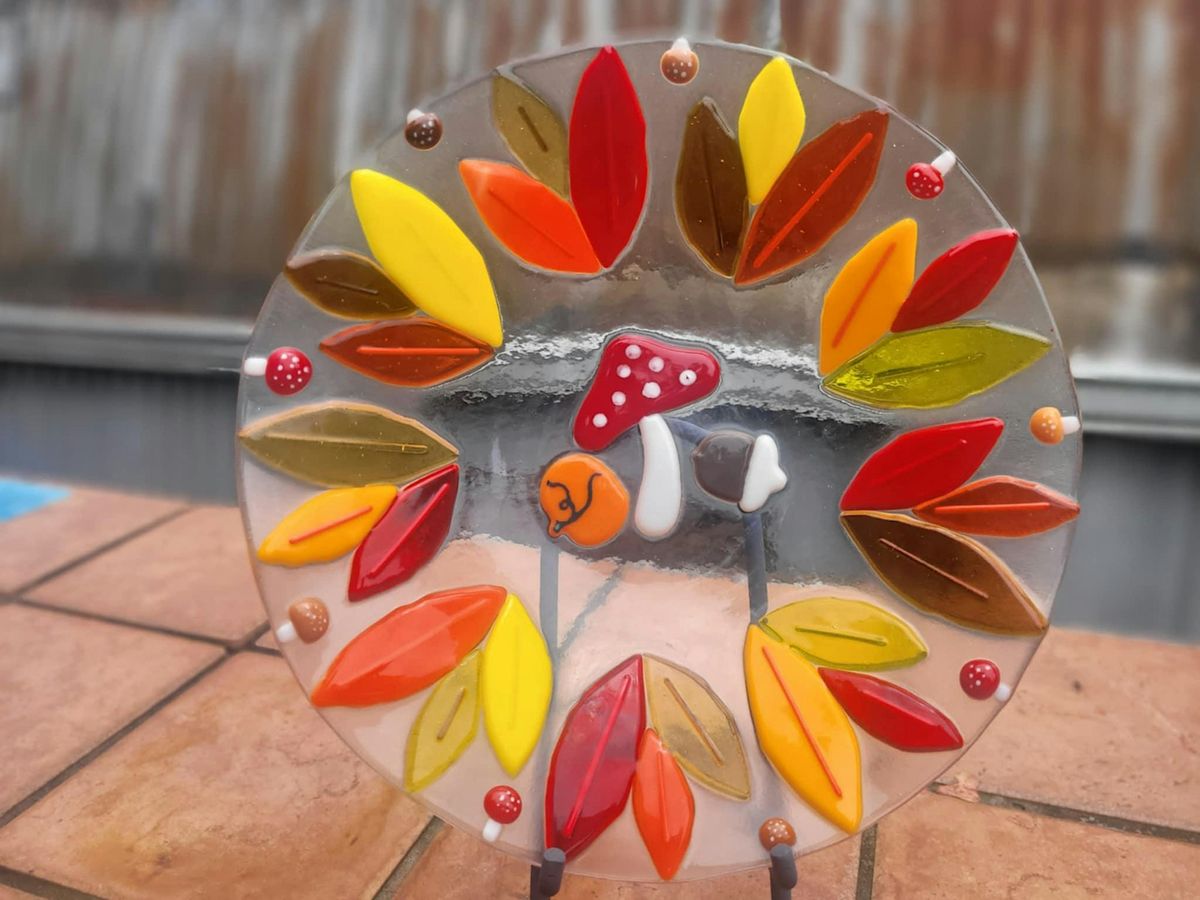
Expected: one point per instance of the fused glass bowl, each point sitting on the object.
(651, 436)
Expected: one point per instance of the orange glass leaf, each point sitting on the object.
(410, 648)
(607, 152)
(412, 353)
(892, 714)
(662, 805)
(591, 771)
(1000, 506)
(818, 192)
(943, 573)
(532, 221)
(958, 280)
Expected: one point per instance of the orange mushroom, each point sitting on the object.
(1050, 426)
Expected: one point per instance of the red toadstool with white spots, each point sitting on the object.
(927, 180)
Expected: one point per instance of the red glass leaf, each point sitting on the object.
(892, 714)
(818, 192)
(958, 280)
(410, 353)
(410, 648)
(591, 771)
(662, 805)
(409, 535)
(607, 150)
(1000, 506)
(528, 218)
(922, 464)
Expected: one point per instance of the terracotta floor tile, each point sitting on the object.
(267, 641)
(938, 847)
(192, 575)
(236, 789)
(46, 539)
(458, 867)
(1102, 723)
(11, 893)
(67, 683)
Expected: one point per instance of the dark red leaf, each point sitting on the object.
(892, 714)
(607, 150)
(958, 280)
(1000, 506)
(923, 464)
(409, 535)
(816, 194)
(411, 353)
(591, 771)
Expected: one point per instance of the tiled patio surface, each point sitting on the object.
(156, 746)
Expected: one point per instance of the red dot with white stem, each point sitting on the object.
(503, 807)
(286, 371)
(980, 680)
(925, 181)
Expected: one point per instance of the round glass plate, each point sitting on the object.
(649, 430)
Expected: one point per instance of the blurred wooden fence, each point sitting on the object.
(204, 134)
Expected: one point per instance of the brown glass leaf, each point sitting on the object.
(411, 353)
(533, 131)
(944, 573)
(710, 188)
(346, 444)
(818, 192)
(347, 284)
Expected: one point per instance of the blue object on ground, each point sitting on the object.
(20, 497)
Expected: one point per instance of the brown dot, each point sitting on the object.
(423, 131)
(680, 65)
(310, 618)
(776, 831)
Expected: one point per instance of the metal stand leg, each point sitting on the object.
(546, 880)
(783, 872)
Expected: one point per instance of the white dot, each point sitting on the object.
(651, 390)
(633, 351)
(289, 377)
(623, 371)
(656, 364)
(279, 368)
(307, 369)
(687, 377)
(599, 420)
(618, 398)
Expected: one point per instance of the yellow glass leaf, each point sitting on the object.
(867, 293)
(803, 730)
(770, 126)
(937, 366)
(533, 131)
(516, 683)
(846, 634)
(327, 526)
(696, 727)
(424, 252)
(445, 726)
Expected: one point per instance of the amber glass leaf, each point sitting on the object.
(445, 726)
(710, 188)
(591, 771)
(802, 730)
(846, 634)
(893, 714)
(816, 194)
(663, 807)
(344, 444)
(533, 131)
(697, 727)
(944, 573)
(347, 284)
(411, 353)
(1000, 507)
(937, 366)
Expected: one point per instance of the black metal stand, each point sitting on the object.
(783, 872)
(546, 880)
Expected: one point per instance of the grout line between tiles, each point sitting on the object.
(866, 864)
(38, 793)
(103, 548)
(130, 623)
(41, 887)
(391, 885)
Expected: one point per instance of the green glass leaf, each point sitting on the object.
(346, 444)
(445, 726)
(937, 366)
(846, 634)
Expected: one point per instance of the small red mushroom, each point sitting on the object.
(503, 806)
(980, 679)
(927, 180)
(287, 370)
(680, 63)
(640, 378)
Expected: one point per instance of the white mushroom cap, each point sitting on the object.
(763, 475)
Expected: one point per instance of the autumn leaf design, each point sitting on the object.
(1000, 506)
(958, 280)
(663, 807)
(326, 526)
(533, 132)
(770, 126)
(891, 713)
(417, 352)
(710, 188)
(347, 284)
(845, 633)
(445, 726)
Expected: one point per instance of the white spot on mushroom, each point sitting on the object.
(599, 420)
(651, 390)
(656, 364)
(633, 351)
(687, 377)
(618, 398)
(623, 371)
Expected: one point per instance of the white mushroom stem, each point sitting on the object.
(492, 830)
(681, 45)
(660, 496)
(763, 474)
(945, 162)
(1003, 692)
(413, 115)
(1070, 424)
(285, 632)
(255, 365)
